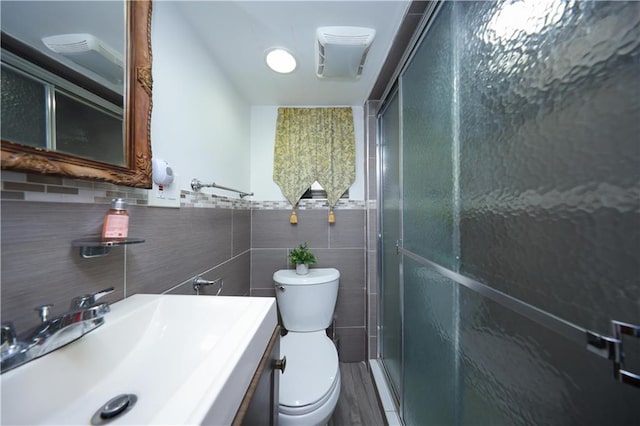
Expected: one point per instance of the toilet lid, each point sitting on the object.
(312, 366)
(315, 276)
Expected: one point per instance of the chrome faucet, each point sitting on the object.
(84, 315)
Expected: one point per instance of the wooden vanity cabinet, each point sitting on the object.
(260, 403)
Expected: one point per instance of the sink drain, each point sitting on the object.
(114, 408)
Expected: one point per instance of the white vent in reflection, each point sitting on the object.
(341, 51)
(89, 52)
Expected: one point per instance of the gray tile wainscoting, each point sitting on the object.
(264, 262)
(39, 266)
(241, 232)
(271, 229)
(234, 273)
(340, 246)
(241, 241)
(371, 176)
(180, 243)
(351, 343)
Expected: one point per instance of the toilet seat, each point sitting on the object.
(312, 372)
(310, 408)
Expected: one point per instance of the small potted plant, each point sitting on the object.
(302, 257)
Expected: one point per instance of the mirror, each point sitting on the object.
(130, 167)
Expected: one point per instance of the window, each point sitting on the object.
(42, 110)
(317, 192)
(22, 105)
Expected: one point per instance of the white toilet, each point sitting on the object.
(310, 385)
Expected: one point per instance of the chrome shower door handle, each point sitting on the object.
(621, 329)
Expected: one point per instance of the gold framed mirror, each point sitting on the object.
(137, 120)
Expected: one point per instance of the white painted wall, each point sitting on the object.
(200, 123)
(263, 131)
(203, 126)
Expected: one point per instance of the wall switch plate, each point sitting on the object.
(165, 196)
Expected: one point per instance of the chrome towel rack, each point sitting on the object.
(196, 185)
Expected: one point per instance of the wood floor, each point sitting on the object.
(358, 403)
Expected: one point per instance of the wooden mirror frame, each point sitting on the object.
(137, 120)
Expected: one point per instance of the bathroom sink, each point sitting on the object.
(188, 359)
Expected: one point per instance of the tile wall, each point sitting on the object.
(370, 111)
(339, 245)
(41, 215)
(241, 241)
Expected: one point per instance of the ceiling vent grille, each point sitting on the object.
(342, 51)
(89, 52)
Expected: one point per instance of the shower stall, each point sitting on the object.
(509, 216)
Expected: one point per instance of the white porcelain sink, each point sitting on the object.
(188, 359)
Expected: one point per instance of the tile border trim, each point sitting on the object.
(37, 188)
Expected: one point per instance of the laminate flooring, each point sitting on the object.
(358, 402)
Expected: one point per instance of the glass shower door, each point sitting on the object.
(390, 230)
(518, 176)
(430, 300)
(550, 213)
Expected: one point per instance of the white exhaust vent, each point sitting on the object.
(90, 52)
(342, 51)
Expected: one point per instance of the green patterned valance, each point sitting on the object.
(314, 144)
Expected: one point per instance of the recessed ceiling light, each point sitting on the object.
(281, 61)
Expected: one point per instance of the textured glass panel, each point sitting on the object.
(550, 176)
(429, 350)
(429, 376)
(391, 227)
(427, 99)
(550, 161)
(518, 373)
(544, 99)
(23, 104)
(88, 132)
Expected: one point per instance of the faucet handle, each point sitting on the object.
(43, 311)
(100, 294)
(90, 299)
(9, 338)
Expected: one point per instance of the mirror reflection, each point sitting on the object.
(63, 77)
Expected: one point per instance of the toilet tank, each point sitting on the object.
(306, 302)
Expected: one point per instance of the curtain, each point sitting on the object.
(314, 144)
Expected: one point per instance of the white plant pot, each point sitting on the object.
(302, 269)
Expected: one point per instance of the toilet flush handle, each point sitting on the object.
(281, 288)
(280, 364)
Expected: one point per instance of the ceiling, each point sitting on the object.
(239, 33)
(30, 21)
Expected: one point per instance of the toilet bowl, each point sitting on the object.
(310, 385)
(310, 388)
